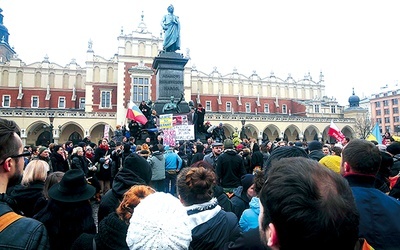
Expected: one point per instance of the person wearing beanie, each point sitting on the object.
(332, 162)
(212, 227)
(112, 229)
(159, 221)
(229, 168)
(249, 218)
(394, 150)
(243, 194)
(315, 150)
(283, 152)
(135, 171)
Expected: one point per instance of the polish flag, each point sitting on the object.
(135, 114)
(335, 132)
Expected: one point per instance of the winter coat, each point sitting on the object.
(249, 218)
(24, 233)
(111, 235)
(249, 240)
(197, 157)
(257, 158)
(79, 162)
(123, 181)
(172, 160)
(157, 163)
(65, 222)
(27, 196)
(230, 169)
(240, 201)
(379, 223)
(58, 163)
(216, 232)
(316, 155)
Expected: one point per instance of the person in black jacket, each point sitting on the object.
(229, 168)
(135, 171)
(23, 232)
(212, 227)
(198, 149)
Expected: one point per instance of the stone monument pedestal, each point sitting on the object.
(169, 68)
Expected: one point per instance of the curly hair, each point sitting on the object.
(195, 185)
(131, 199)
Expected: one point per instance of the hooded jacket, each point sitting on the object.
(240, 201)
(249, 218)
(157, 163)
(136, 171)
(27, 196)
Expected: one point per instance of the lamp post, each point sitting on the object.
(51, 119)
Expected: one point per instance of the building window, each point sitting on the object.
(248, 107)
(316, 108)
(395, 110)
(396, 119)
(105, 101)
(387, 119)
(386, 103)
(333, 109)
(228, 107)
(386, 111)
(378, 112)
(387, 129)
(208, 105)
(379, 120)
(61, 102)
(141, 88)
(284, 109)
(377, 104)
(6, 101)
(82, 103)
(395, 101)
(35, 102)
(266, 108)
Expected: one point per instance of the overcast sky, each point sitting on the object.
(354, 43)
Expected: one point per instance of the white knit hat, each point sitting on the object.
(159, 222)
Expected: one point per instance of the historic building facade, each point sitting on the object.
(54, 102)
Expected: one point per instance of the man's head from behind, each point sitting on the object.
(360, 156)
(307, 206)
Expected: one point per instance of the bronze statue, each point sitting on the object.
(171, 107)
(171, 26)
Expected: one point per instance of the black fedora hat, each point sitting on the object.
(73, 187)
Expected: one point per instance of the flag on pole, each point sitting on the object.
(375, 134)
(135, 114)
(335, 132)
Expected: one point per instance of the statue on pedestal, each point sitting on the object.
(171, 26)
(171, 107)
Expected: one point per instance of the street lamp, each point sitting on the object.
(51, 119)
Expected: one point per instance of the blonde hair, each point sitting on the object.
(76, 150)
(36, 170)
(131, 199)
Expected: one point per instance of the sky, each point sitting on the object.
(355, 44)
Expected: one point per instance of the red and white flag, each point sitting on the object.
(335, 132)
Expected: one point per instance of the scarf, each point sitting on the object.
(201, 213)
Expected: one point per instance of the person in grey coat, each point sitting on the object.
(157, 163)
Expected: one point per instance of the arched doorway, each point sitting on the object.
(75, 137)
(43, 139)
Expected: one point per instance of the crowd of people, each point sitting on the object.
(220, 194)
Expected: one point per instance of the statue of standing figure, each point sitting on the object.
(171, 26)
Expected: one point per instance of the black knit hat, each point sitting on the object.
(393, 148)
(284, 152)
